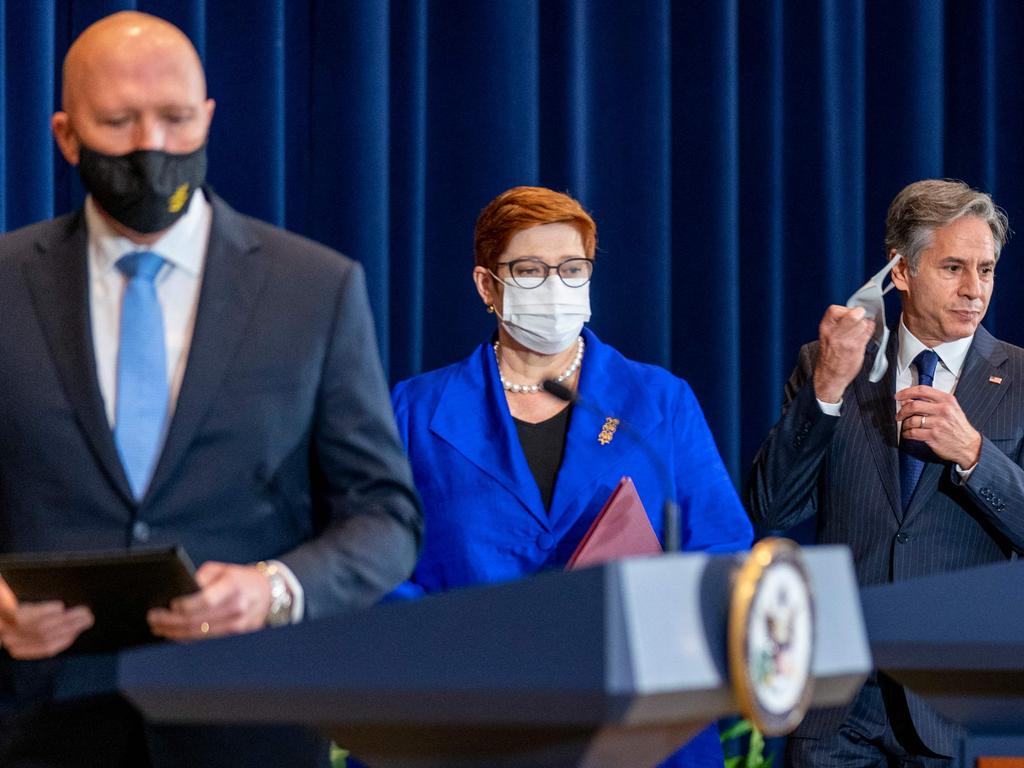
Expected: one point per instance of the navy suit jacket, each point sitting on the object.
(845, 470)
(282, 444)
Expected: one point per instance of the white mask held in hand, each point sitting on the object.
(869, 296)
(546, 319)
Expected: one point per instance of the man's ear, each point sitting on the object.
(67, 139)
(900, 273)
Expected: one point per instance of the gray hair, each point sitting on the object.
(925, 206)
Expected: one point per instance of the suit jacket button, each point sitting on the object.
(140, 532)
(902, 538)
(546, 541)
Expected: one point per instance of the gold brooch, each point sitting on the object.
(608, 431)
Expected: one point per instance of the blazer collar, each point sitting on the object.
(985, 379)
(232, 280)
(58, 280)
(878, 411)
(473, 417)
(57, 275)
(614, 401)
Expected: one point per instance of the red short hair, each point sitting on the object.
(520, 208)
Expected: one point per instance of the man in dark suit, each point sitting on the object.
(176, 373)
(919, 472)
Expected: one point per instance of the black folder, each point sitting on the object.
(118, 586)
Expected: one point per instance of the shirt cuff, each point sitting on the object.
(830, 409)
(298, 594)
(963, 475)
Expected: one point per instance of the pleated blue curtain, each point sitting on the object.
(737, 156)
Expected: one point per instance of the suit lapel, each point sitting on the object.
(232, 278)
(58, 277)
(487, 437)
(977, 396)
(607, 391)
(878, 412)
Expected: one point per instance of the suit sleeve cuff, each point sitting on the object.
(961, 475)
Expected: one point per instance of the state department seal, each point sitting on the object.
(771, 637)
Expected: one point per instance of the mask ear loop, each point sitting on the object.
(502, 280)
(490, 307)
(889, 268)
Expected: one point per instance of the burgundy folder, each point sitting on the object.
(620, 530)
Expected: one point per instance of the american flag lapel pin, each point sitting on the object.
(995, 379)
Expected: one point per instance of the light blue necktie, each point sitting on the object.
(142, 392)
(913, 452)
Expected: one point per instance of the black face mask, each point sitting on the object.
(146, 190)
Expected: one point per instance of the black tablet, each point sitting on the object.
(118, 586)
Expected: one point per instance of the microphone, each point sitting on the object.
(670, 521)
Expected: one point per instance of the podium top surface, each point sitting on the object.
(969, 620)
(578, 647)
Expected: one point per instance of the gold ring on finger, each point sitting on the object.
(205, 627)
(922, 421)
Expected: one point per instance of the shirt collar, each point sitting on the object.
(951, 353)
(183, 245)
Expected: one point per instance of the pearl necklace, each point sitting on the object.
(529, 389)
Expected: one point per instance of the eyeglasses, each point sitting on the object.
(532, 272)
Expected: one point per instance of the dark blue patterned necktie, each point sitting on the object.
(911, 465)
(142, 391)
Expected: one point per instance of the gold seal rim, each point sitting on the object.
(763, 555)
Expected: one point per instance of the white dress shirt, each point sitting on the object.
(952, 355)
(951, 360)
(183, 248)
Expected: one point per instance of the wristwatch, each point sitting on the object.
(280, 612)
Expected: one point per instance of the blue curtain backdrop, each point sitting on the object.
(737, 156)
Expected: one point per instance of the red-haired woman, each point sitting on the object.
(511, 477)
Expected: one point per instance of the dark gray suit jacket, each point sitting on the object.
(282, 444)
(845, 470)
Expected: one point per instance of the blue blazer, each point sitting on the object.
(483, 511)
(484, 516)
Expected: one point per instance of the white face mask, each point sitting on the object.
(546, 319)
(870, 296)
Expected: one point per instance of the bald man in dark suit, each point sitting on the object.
(176, 373)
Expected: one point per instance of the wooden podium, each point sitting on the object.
(957, 640)
(613, 665)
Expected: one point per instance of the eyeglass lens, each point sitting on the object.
(530, 273)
